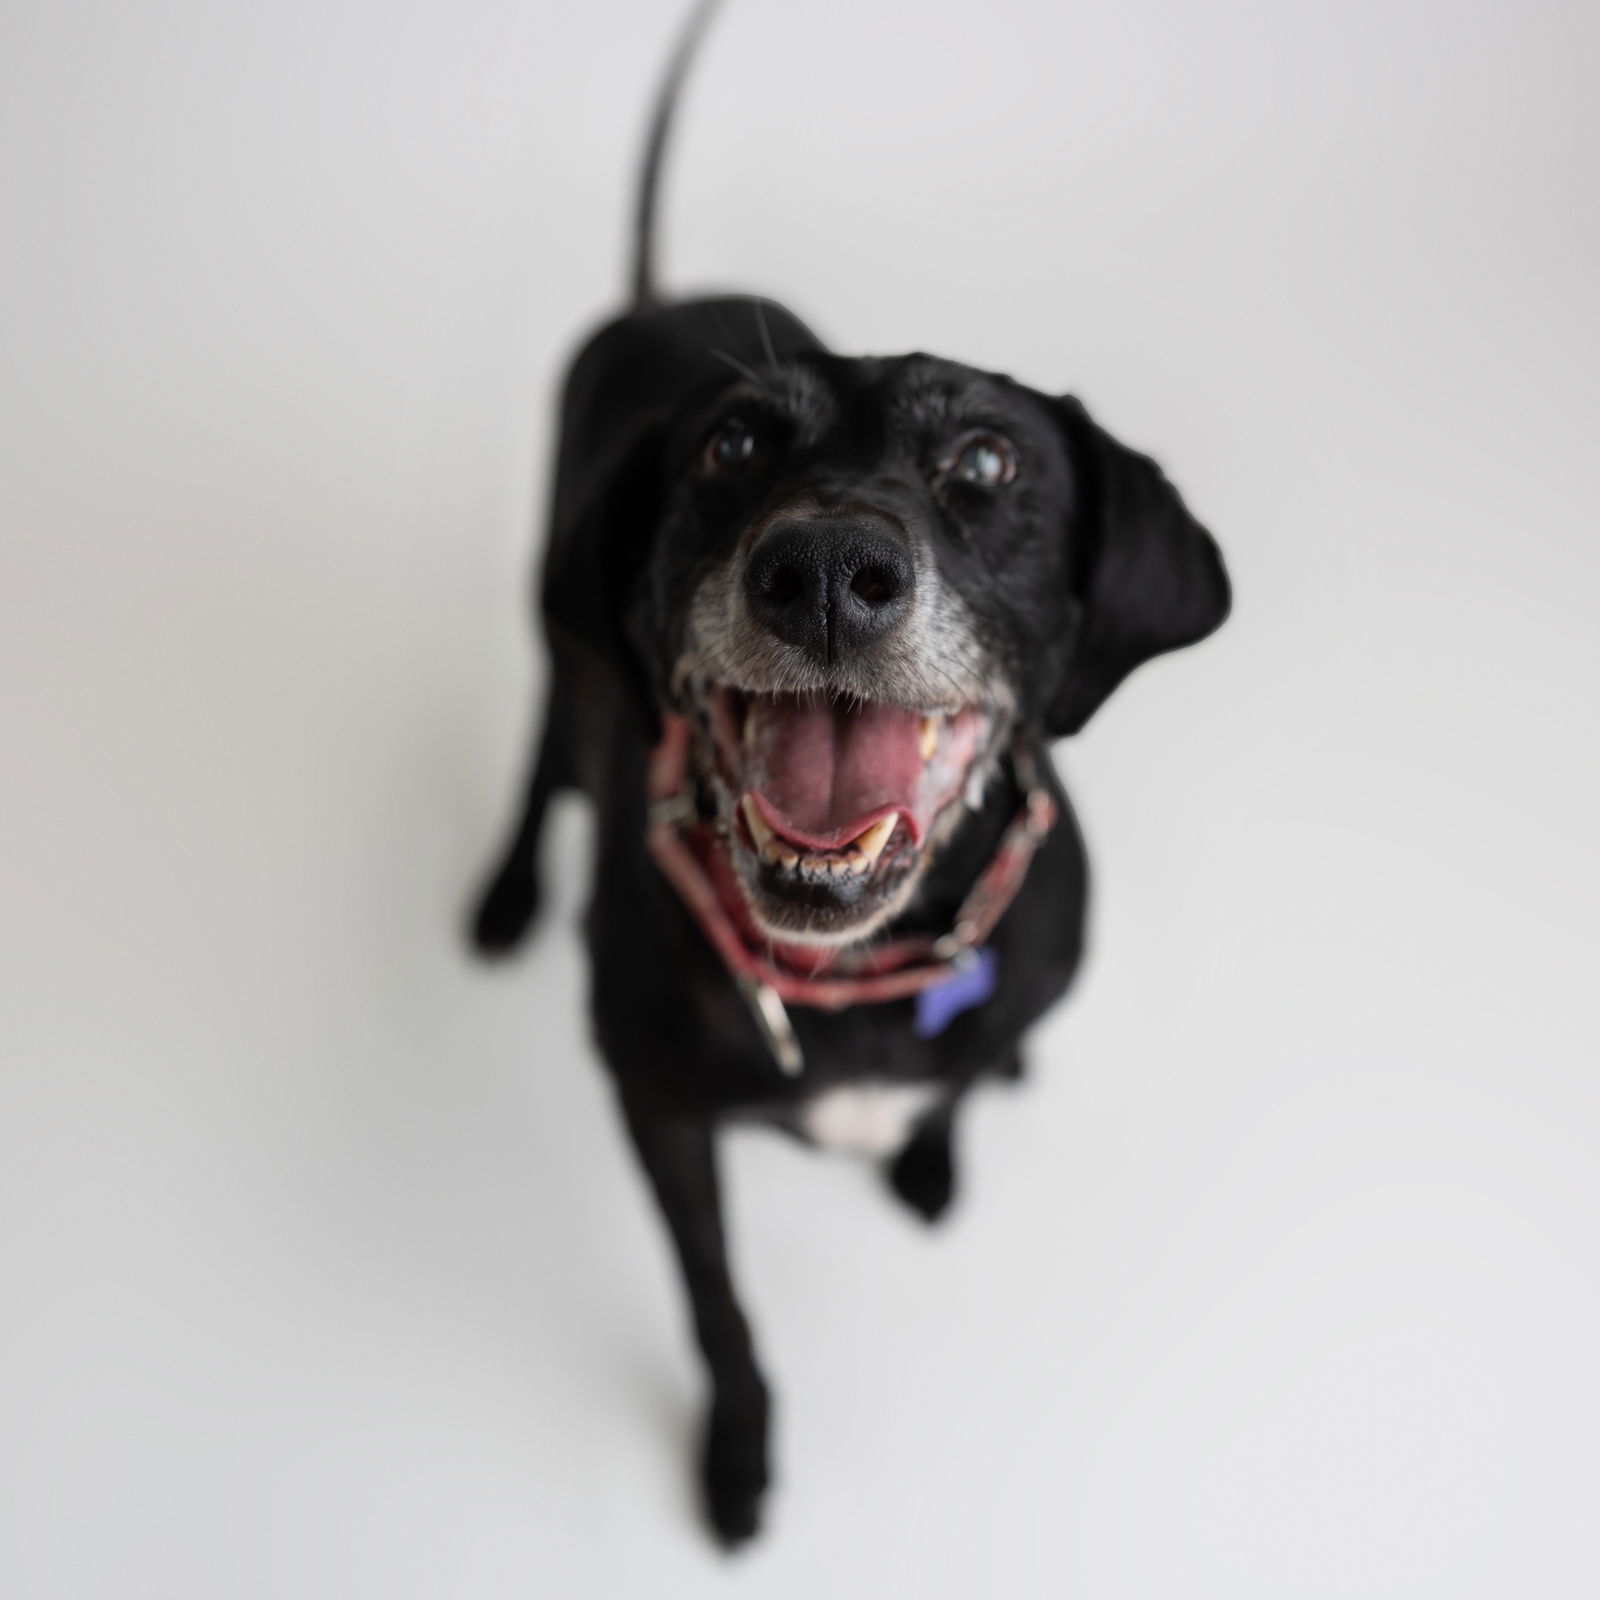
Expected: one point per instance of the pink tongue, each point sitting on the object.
(827, 772)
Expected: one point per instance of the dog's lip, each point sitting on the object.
(851, 852)
(863, 828)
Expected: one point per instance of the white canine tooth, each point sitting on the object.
(928, 736)
(759, 831)
(871, 843)
(857, 864)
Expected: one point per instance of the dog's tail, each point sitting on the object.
(644, 288)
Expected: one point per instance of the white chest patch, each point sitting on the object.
(869, 1119)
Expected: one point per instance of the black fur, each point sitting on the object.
(1085, 567)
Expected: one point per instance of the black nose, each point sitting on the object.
(830, 586)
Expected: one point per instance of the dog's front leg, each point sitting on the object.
(923, 1173)
(679, 1155)
(510, 901)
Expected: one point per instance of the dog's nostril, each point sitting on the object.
(782, 586)
(875, 585)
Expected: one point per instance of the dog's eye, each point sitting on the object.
(732, 448)
(986, 459)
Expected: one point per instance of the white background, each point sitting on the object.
(324, 1270)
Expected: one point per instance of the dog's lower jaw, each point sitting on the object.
(797, 932)
(891, 908)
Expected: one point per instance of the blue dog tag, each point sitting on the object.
(969, 985)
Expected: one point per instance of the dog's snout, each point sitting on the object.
(830, 586)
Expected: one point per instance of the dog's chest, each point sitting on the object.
(872, 1119)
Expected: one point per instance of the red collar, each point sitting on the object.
(771, 973)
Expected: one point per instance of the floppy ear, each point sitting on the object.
(1147, 578)
(599, 546)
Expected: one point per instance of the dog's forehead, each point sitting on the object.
(929, 393)
(912, 395)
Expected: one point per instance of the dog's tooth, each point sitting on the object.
(871, 843)
(759, 831)
(790, 859)
(839, 866)
(928, 736)
(857, 863)
(766, 840)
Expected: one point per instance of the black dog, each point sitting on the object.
(813, 621)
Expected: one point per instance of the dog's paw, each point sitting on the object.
(924, 1173)
(505, 913)
(733, 1471)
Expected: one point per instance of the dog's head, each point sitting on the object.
(860, 579)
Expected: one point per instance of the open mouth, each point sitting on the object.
(828, 809)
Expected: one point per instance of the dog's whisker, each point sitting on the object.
(765, 332)
(749, 374)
